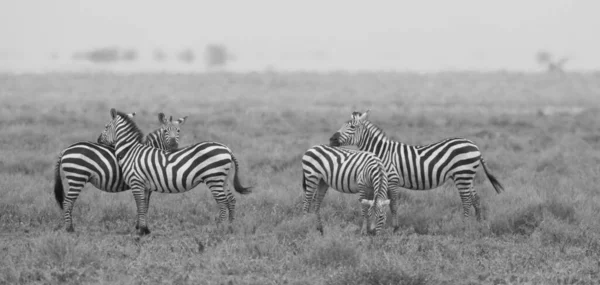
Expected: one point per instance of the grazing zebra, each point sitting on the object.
(96, 163)
(418, 167)
(347, 171)
(148, 169)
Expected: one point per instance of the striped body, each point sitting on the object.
(419, 167)
(147, 169)
(347, 171)
(95, 163)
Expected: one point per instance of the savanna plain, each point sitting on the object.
(539, 133)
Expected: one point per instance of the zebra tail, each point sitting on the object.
(497, 186)
(303, 180)
(59, 193)
(236, 180)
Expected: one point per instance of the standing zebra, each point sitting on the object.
(148, 169)
(96, 163)
(347, 171)
(166, 137)
(418, 167)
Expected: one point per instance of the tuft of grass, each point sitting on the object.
(381, 275)
(563, 211)
(523, 221)
(332, 253)
(66, 251)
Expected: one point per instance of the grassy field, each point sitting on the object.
(540, 135)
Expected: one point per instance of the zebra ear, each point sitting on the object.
(161, 118)
(131, 115)
(181, 120)
(170, 119)
(113, 113)
(365, 115)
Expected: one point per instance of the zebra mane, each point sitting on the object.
(374, 129)
(134, 128)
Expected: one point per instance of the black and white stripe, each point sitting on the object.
(167, 137)
(147, 169)
(347, 171)
(418, 167)
(96, 163)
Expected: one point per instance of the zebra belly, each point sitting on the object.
(350, 187)
(78, 175)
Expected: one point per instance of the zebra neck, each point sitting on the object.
(373, 140)
(122, 148)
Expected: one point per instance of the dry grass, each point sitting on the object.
(538, 133)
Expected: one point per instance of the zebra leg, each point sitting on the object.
(139, 195)
(476, 203)
(364, 224)
(310, 191)
(230, 198)
(71, 196)
(321, 191)
(137, 222)
(217, 191)
(231, 206)
(465, 196)
(393, 194)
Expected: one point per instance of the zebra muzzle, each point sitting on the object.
(335, 140)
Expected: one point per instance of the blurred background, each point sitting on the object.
(309, 35)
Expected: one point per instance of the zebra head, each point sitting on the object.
(170, 130)
(376, 212)
(103, 138)
(350, 132)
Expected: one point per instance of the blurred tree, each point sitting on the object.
(159, 55)
(187, 56)
(216, 56)
(129, 55)
(101, 55)
(545, 59)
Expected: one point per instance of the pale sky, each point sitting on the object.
(309, 34)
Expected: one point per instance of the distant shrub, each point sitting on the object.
(129, 55)
(101, 55)
(216, 56)
(545, 59)
(159, 55)
(107, 55)
(186, 56)
(377, 275)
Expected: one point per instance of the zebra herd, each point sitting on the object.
(123, 160)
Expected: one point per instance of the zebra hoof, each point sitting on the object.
(320, 229)
(143, 231)
(70, 229)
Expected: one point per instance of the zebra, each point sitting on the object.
(147, 169)
(418, 167)
(166, 137)
(96, 163)
(347, 171)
